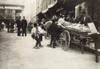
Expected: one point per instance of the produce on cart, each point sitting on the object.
(78, 28)
(75, 33)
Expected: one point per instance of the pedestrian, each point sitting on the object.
(36, 34)
(53, 31)
(3, 25)
(7, 22)
(18, 26)
(24, 26)
(46, 25)
(12, 26)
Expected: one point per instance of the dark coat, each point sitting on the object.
(53, 28)
(24, 23)
(87, 20)
(18, 23)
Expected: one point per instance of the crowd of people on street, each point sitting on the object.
(14, 25)
(55, 26)
(52, 27)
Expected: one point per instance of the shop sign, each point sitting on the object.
(10, 7)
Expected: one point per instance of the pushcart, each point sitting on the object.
(83, 39)
(71, 36)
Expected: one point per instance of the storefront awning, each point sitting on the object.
(44, 11)
(52, 4)
(47, 4)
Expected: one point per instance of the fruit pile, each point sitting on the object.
(78, 28)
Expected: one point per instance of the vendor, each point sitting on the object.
(84, 18)
(69, 18)
(53, 31)
(61, 20)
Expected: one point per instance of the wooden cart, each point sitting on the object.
(69, 37)
(82, 39)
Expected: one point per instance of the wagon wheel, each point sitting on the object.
(65, 40)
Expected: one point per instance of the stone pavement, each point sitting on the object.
(18, 53)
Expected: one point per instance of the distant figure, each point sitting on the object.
(84, 18)
(24, 26)
(69, 18)
(18, 25)
(36, 34)
(3, 25)
(12, 26)
(76, 19)
(7, 22)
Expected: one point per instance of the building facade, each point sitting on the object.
(44, 5)
(10, 9)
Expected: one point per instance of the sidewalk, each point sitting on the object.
(17, 52)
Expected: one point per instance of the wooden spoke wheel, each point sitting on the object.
(65, 40)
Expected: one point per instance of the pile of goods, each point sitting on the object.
(78, 28)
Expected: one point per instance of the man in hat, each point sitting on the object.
(84, 18)
(18, 25)
(24, 26)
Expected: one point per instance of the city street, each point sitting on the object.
(17, 52)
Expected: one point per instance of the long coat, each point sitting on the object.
(85, 19)
(53, 28)
(18, 23)
(24, 24)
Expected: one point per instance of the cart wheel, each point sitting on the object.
(65, 40)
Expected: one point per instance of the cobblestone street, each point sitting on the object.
(17, 52)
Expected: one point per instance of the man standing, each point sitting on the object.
(84, 18)
(18, 26)
(24, 26)
(53, 31)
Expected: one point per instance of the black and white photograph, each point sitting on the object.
(49, 34)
